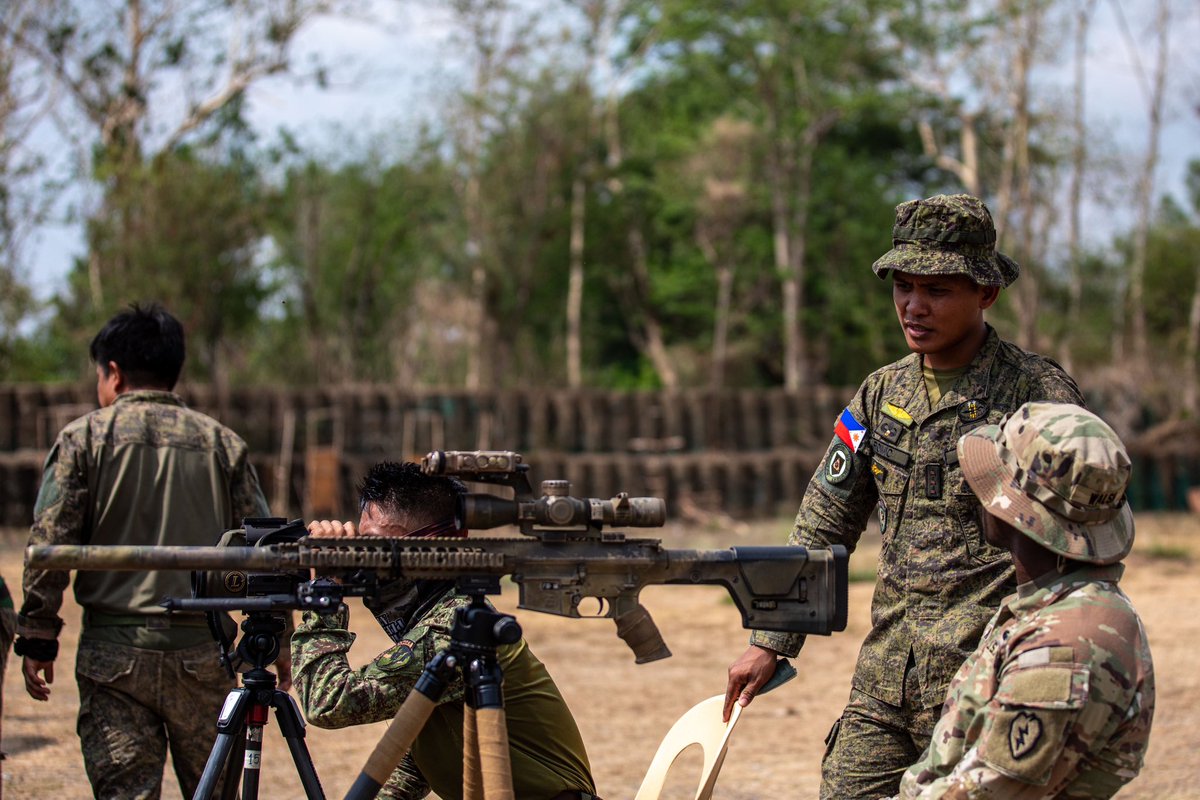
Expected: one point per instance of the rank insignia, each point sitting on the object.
(837, 467)
(889, 430)
(897, 413)
(933, 481)
(972, 410)
(1023, 734)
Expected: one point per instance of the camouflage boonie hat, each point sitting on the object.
(1057, 473)
(947, 235)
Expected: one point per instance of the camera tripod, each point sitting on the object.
(478, 629)
(245, 712)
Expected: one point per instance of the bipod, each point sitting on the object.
(478, 630)
(246, 711)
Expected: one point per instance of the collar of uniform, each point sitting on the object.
(909, 393)
(977, 377)
(1047, 588)
(149, 396)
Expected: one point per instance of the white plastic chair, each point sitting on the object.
(700, 725)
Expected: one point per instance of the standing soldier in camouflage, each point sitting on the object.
(142, 470)
(939, 580)
(546, 750)
(1058, 698)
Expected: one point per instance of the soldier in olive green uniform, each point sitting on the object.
(893, 454)
(142, 470)
(545, 747)
(1058, 699)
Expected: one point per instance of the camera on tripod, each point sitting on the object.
(554, 511)
(235, 583)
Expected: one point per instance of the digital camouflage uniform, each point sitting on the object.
(145, 470)
(938, 580)
(1058, 699)
(545, 747)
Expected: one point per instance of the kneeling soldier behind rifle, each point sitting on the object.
(545, 748)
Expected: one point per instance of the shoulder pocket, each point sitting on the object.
(1024, 736)
(1045, 686)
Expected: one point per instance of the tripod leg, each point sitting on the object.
(396, 741)
(409, 720)
(292, 726)
(472, 778)
(493, 754)
(230, 725)
(252, 766)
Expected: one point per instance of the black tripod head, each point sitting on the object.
(478, 630)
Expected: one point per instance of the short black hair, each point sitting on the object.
(146, 342)
(402, 490)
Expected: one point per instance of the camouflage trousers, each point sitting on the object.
(135, 703)
(8, 629)
(873, 743)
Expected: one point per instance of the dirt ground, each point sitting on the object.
(623, 709)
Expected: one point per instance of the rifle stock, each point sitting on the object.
(790, 589)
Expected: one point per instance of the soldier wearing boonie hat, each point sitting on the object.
(893, 454)
(1058, 699)
(947, 235)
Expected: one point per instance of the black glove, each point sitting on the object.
(37, 649)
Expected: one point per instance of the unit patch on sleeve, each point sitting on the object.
(837, 467)
(396, 658)
(1023, 734)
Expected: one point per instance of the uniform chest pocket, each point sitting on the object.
(969, 515)
(891, 482)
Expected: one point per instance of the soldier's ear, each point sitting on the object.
(117, 377)
(988, 295)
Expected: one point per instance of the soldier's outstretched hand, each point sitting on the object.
(747, 675)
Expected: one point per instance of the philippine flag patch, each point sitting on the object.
(850, 430)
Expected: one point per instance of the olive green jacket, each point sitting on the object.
(145, 470)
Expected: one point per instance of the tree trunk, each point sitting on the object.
(654, 346)
(1191, 389)
(724, 272)
(1075, 203)
(1145, 193)
(575, 286)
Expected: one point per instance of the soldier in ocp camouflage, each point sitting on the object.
(548, 758)
(894, 454)
(142, 470)
(1058, 699)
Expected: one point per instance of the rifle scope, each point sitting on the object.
(555, 509)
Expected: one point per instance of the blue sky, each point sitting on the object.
(389, 71)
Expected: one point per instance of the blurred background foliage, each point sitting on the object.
(617, 193)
